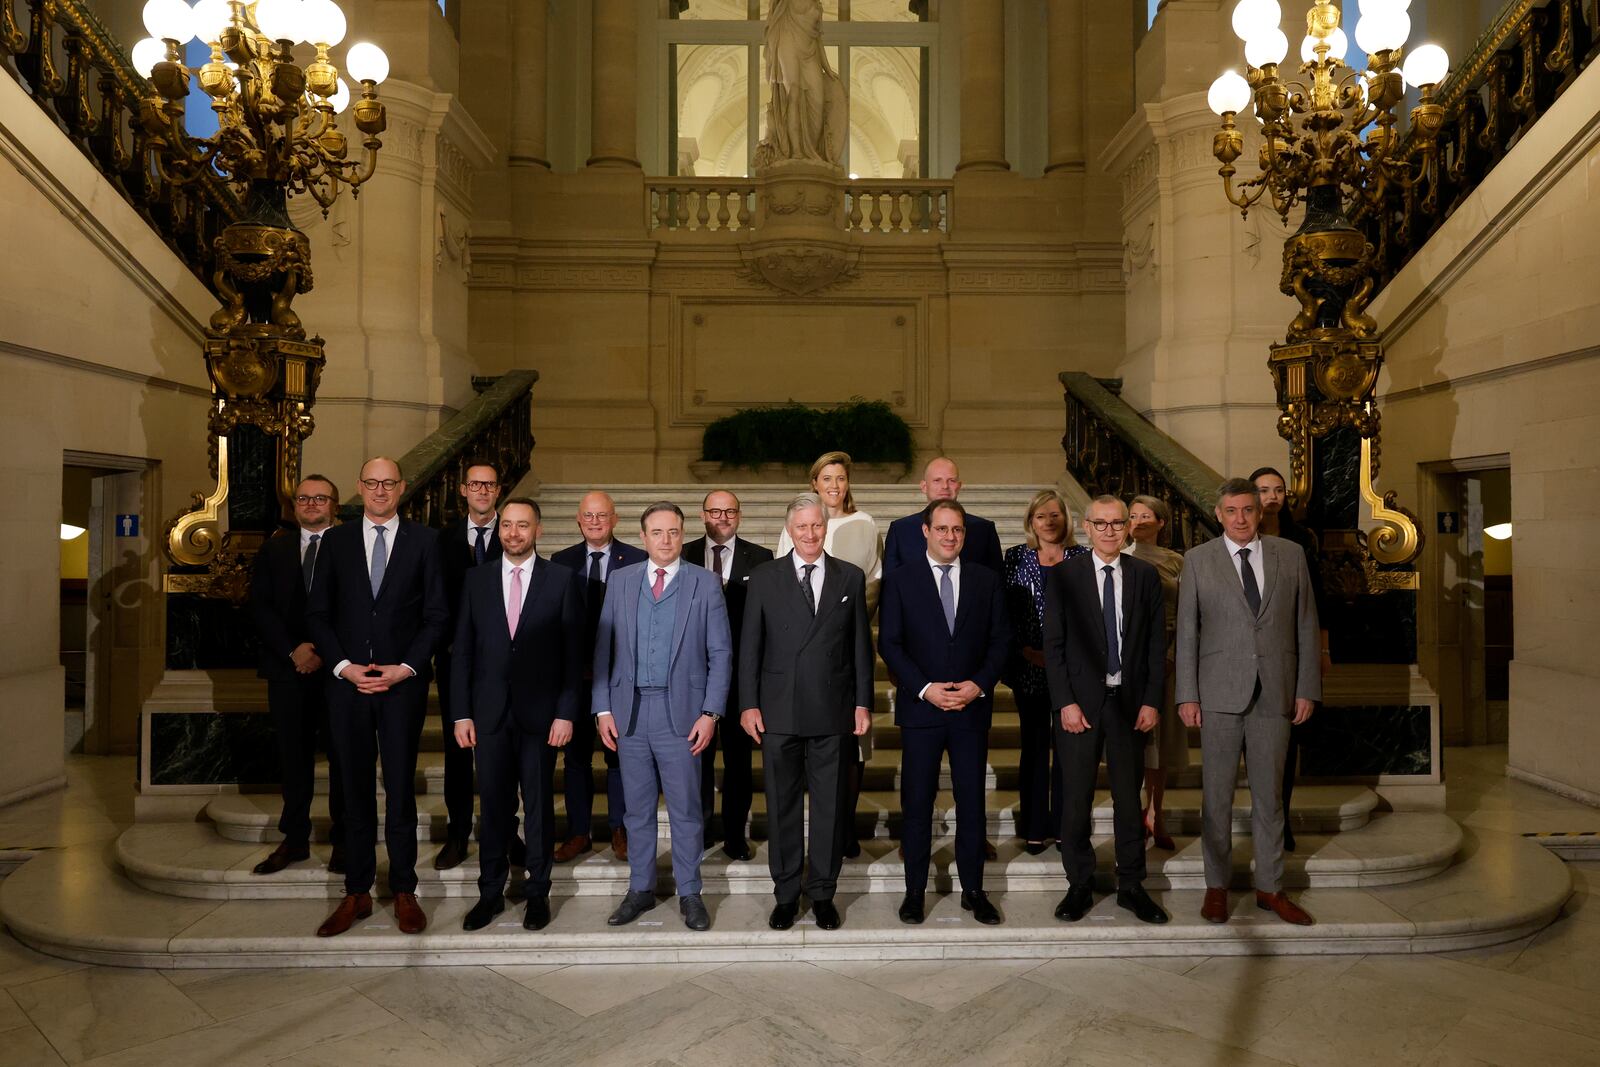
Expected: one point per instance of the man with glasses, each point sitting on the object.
(593, 558)
(470, 540)
(289, 662)
(1105, 656)
(731, 558)
(377, 613)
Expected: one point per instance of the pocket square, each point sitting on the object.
(844, 598)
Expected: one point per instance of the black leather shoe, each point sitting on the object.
(1288, 835)
(826, 914)
(737, 849)
(977, 902)
(852, 849)
(1136, 900)
(911, 909)
(635, 904)
(281, 857)
(1076, 904)
(483, 912)
(517, 851)
(782, 916)
(336, 860)
(695, 916)
(451, 855)
(1034, 848)
(537, 915)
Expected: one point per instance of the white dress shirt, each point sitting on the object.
(816, 576)
(506, 567)
(650, 568)
(1116, 593)
(306, 535)
(726, 572)
(605, 559)
(1256, 562)
(488, 532)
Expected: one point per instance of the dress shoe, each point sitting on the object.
(1136, 900)
(451, 855)
(989, 852)
(619, 843)
(911, 909)
(1288, 836)
(1215, 907)
(737, 849)
(635, 904)
(483, 912)
(351, 910)
(1164, 842)
(782, 916)
(537, 915)
(336, 860)
(1284, 908)
(572, 848)
(1076, 904)
(826, 914)
(852, 849)
(977, 902)
(695, 916)
(281, 857)
(517, 851)
(408, 915)
(1034, 848)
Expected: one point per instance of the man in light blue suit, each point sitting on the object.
(663, 660)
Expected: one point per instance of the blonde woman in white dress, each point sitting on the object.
(853, 536)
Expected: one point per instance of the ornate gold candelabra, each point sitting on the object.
(1329, 142)
(278, 135)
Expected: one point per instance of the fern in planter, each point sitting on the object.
(792, 433)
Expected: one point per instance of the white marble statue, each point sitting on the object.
(806, 117)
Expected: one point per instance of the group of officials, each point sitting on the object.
(655, 653)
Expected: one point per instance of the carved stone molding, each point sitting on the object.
(1141, 174)
(800, 267)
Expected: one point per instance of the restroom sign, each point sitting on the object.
(127, 526)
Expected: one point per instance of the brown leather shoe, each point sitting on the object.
(408, 914)
(281, 857)
(619, 843)
(572, 848)
(1215, 908)
(351, 910)
(1283, 907)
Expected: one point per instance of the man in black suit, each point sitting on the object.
(944, 634)
(731, 558)
(377, 613)
(519, 653)
(1105, 655)
(470, 540)
(904, 542)
(593, 559)
(805, 683)
(293, 670)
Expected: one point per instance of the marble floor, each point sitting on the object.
(1529, 1001)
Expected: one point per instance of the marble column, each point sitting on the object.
(613, 126)
(983, 86)
(529, 27)
(1065, 85)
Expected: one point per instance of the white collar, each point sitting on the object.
(1254, 546)
(506, 565)
(799, 563)
(954, 565)
(391, 524)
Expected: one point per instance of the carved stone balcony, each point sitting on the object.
(732, 205)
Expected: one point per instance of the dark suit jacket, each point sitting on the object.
(405, 622)
(918, 648)
(532, 677)
(576, 558)
(278, 604)
(807, 673)
(747, 556)
(455, 552)
(1075, 636)
(904, 543)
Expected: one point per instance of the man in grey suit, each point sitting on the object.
(805, 684)
(663, 659)
(1247, 664)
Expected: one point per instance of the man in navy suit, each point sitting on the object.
(663, 659)
(471, 540)
(1105, 654)
(904, 542)
(944, 634)
(519, 653)
(593, 559)
(377, 612)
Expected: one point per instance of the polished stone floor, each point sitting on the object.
(1531, 1001)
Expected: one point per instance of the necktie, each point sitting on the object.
(805, 584)
(1252, 591)
(716, 561)
(380, 559)
(308, 565)
(594, 568)
(480, 551)
(1108, 607)
(660, 583)
(947, 596)
(514, 601)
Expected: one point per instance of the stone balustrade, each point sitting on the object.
(724, 204)
(907, 206)
(730, 205)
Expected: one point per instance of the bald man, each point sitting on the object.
(905, 543)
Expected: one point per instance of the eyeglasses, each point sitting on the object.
(946, 531)
(720, 513)
(481, 487)
(386, 484)
(594, 516)
(1102, 525)
(305, 501)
